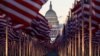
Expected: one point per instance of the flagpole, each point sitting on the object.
(90, 31)
(30, 45)
(82, 38)
(98, 49)
(99, 45)
(82, 4)
(27, 46)
(20, 43)
(75, 45)
(79, 43)
(69, 48)
(95, 50)
(6, 43)
(64, 50)
(90, 38)
(72, 48)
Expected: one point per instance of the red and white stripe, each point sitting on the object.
(22, 11)
(96, 10)
(87, 13)
(37, 32)
(76, 11)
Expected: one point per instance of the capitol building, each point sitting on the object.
(52, 18)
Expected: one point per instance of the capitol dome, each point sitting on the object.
(51, 13)
(51, 16)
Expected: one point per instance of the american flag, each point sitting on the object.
(26, 13)
(21, 11)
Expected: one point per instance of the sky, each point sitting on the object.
(61, 7)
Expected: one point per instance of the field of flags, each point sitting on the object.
(23, 30)
(81, 33)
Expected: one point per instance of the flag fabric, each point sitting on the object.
(98, 33)
(96, 10)
(25, 15)
(76, 11)
(88, 12)
(21, 11)
(43, 35)
(83, 10)
(39, 28)
(11, 32)
(89, 9)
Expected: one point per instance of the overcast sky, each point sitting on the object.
(61, 7)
